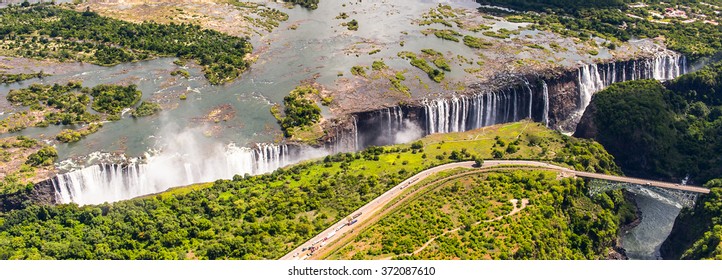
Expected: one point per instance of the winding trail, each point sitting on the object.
(524, 203)
(373, 210)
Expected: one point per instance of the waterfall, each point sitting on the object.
(345, 139)
(545, 95)
(113, 182)
(489, 107)
(394, 122)
(593, 78)
(589, 83)
(156, 173)
(462, 113)
(355, 134)
(531, 97)
(668, 67)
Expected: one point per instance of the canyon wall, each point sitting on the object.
(558, 102)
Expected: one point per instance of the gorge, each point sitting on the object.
(558, 102)
(258, 126)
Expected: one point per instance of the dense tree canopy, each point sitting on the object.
(610, 19)
(255, 217)
(663, 132)
(46, 31)
(111, 99)
(146, 108)
(311, 4)
(45, 156)
(67, 104)
(553, 4)
(299, 109)
(697, 231)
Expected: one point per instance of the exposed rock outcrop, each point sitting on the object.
(586, 127)
(42, 193)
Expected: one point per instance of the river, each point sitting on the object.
(179, 147)
(643, 241)
(318, 49)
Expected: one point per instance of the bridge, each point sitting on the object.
(598, 183)
(605, 177)
(675, 197)
(671, 193)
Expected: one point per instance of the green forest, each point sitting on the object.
(111, 99)
(46, 31)
(300, 111)
(21, 157)
(310, 4)
(261, 217)
(554, 4)
(669, 131)
(146, 108)
(560, 221)
(68, 104)
(610, 20)
(697, 231)
(6, 78)
(662, 131)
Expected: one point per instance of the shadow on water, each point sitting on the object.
(658, 215)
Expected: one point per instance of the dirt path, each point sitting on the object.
(524, 203)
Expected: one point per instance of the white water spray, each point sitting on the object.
(545, 95)
(182, 160)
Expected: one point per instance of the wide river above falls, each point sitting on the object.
(320, 47)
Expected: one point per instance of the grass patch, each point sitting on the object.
(476, 43)
(378, 65)
(358, 71)
(433, 73)
(351, 25)
(501, 33)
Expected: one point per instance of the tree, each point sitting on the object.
(417, 145)
(43, 157)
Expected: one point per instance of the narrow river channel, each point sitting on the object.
(658, 215)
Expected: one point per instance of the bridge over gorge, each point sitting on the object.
(684, 195)
(676, 197)
(675, 194)
(622, 181)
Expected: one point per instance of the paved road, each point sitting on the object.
(372, 208)
(621, 179)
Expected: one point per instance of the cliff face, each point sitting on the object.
(587, 128)
(552, 100)
(688, 227)
(563, 101)
(697, 232)
(42, 193)
(555, 99)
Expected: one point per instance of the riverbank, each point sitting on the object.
(618, 252)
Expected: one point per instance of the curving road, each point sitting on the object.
(372, 208)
